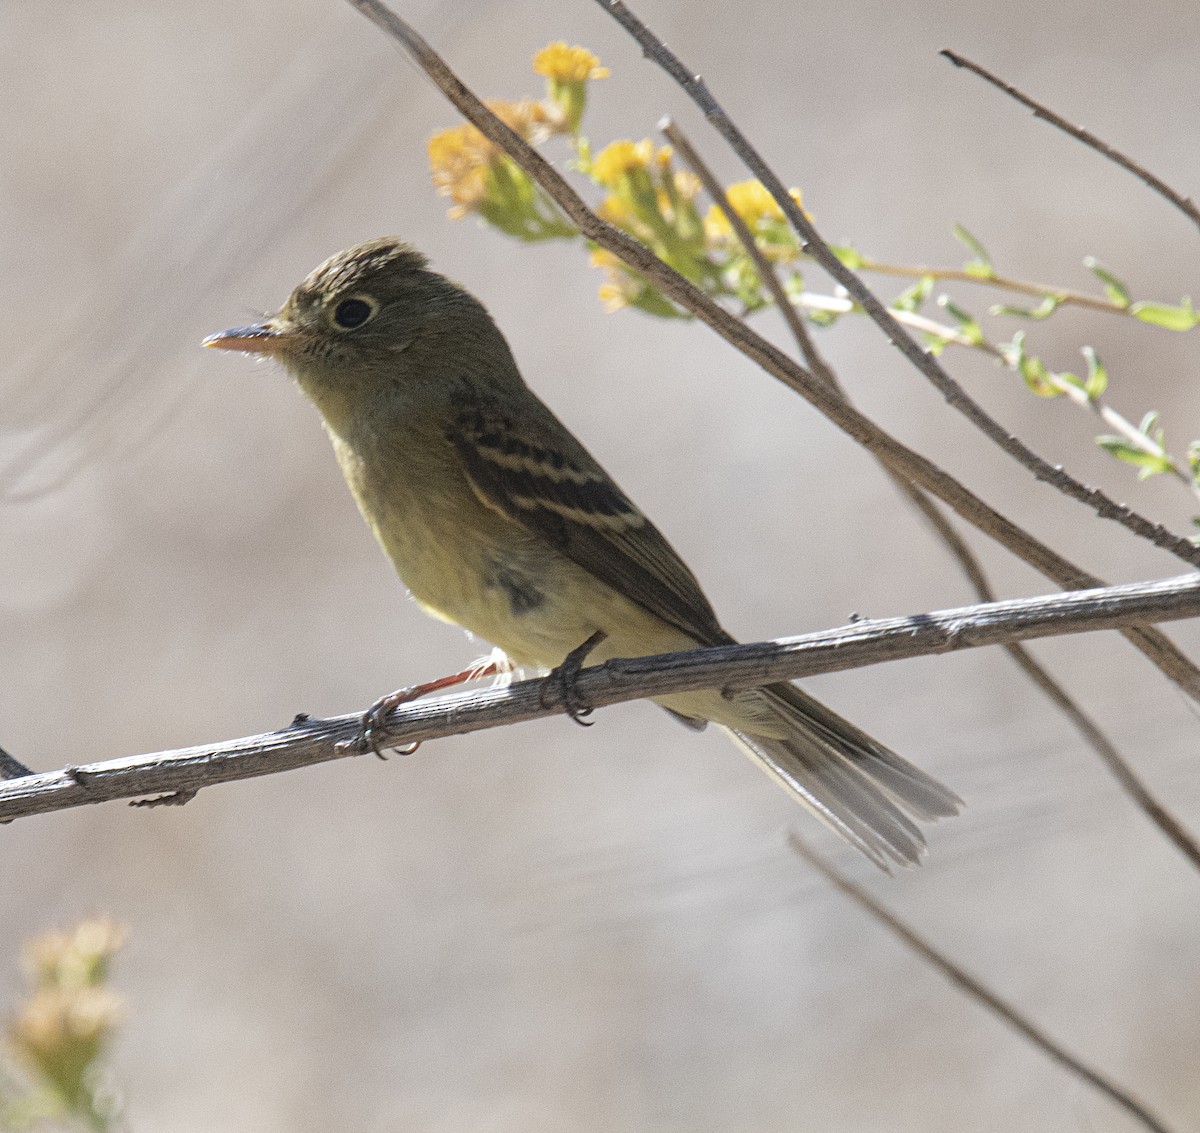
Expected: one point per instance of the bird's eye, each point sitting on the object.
(353, 312)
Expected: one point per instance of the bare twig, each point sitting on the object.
(1184, 204)
(970, 565)
(816, 247)
(1152, 643)
(977, 990)
(308, 741)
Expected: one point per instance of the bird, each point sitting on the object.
(498, 520)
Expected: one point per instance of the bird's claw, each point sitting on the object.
(373, 731)
(561, 680)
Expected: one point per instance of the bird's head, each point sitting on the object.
(375, 321)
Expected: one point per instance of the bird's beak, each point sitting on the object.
(259, 338)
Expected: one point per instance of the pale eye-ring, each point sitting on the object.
(353, 311)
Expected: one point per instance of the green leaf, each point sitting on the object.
(1043, 310)
(823, 319)
(1148, 463)
(1037, 377)
(1114, 288)
(1193, 457)
(912, 298)
(1013, 352)
(981, 265)
(1097, 377)
(1183, 317)
(968, 326)
(851, 257)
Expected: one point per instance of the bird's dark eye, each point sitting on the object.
(353, 312)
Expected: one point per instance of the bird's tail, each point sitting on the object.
(854, 784)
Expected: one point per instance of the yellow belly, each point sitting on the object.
(467, 564)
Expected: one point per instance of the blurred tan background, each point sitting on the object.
(547, 928)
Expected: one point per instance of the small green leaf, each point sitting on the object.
(912, 298)
(981, 265)
(1148, 422)
(1097, 377)
(1193, 457)
(1148, 463)
(823, 319)
(1114, 288)
(1043, 310)
(1037, 377)
(1065, 377)
(851, 257)
(1183, 317)
(968, 326)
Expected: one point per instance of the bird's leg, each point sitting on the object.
(374, 722)
(562, 680)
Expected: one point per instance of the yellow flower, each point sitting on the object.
(461, 158)
(617, 211)
(564, 64)
(751, 201)
(613, 296)
(534, 121)
(77, 958)
(687, 184)
(603, 258)
(620, 158)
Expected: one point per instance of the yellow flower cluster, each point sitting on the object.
(646, 196)
(461, 158)
(653, 202)
(563, 64)
(763, 216)
(69, 1016)
(621, 159)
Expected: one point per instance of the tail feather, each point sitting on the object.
(858, 787)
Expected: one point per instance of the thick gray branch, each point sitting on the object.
(177, 774)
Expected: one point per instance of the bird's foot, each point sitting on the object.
(372, 735)
(561, 680)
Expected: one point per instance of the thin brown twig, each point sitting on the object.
(815, 246)
(1151, 642)
(1184, 204)
(1064, 296)
(977, 990)
(1174, 830)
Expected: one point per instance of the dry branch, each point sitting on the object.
(306, 741)
(1184, 204)
(975, 988)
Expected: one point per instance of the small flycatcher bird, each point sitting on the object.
(498, 520)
